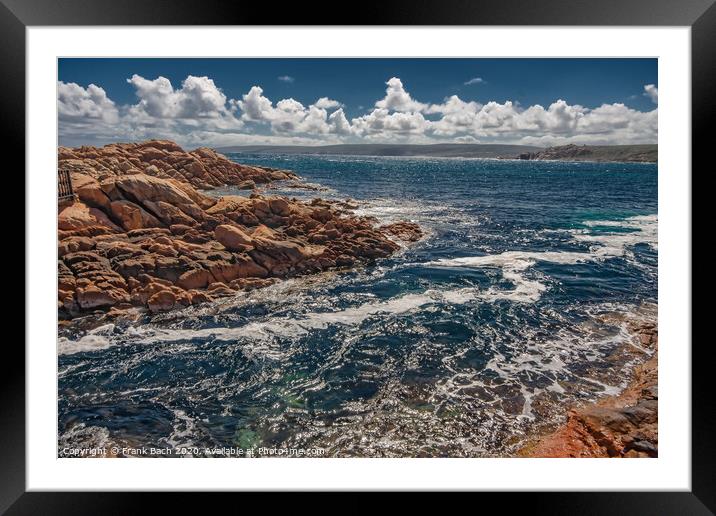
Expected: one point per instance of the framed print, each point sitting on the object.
(440, 248)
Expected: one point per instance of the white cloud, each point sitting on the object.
(397, 99)
(286, 78)
(255, 106)
(458, 116)
(559, 118)
(454, 105)
(652, 92)
(338, 123)
(466, 139)
(289, 116)
(198, 97)
(474, 80)
(326, 103)
(75, 103)
(199, 113)
(380, 124)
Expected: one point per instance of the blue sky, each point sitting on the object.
(493, 100)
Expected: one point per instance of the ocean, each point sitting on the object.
(514, 307)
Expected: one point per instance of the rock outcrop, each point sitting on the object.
(141, 234)
(617, 426)
(202, 168)
(604, 153)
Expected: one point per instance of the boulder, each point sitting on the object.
(280, 206)
(131, 216)
(74, 244)
(195, 278)
(89, 191)
(93, 297)
(232, 238)
(161, 301)
(81, 219)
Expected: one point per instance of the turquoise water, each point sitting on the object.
(463, 344)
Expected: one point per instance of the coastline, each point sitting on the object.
(135, 233)
(571, 160)
(624, 425)
(638, 153)
(465, 158)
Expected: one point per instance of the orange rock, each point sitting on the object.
(78, 217)
(198, 297)
(132, 216)
(220, 289)
(280, 206)
(74, 244)
(94, 297)
(232, 238)
(89, 191)
(407, 231)
(161, 301)
(195, 278)
(228, 204)
(142, 234)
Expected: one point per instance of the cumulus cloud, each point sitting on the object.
(397, 99)
(198, 112)
(381, 124)
(286, 78)
(454, 104)
(255, 106)
(198, 97)
(75, 103)
(338, 123)
(326, 103)
(474, 80)
(458, 116)
(166, 111)
(289, 116)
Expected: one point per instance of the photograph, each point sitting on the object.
(357, 257)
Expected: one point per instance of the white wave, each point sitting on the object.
(261, 333)
(303, 324)
(94, 340)
(512, 260)
(602, 246)
(525, 291)
(643, 230)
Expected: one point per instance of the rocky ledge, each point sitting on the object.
(615, 426)
(202, 168)
(140, 234)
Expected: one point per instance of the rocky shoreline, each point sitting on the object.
(624, 425)
(139, 233)
(595, 153)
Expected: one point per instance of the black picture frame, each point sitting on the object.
(700, 15)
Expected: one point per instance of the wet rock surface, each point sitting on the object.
(141, 234)
(617, 426)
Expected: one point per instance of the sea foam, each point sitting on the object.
(604, 245)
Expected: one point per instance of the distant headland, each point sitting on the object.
(645, 153)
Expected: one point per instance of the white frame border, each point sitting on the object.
(671, 471)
